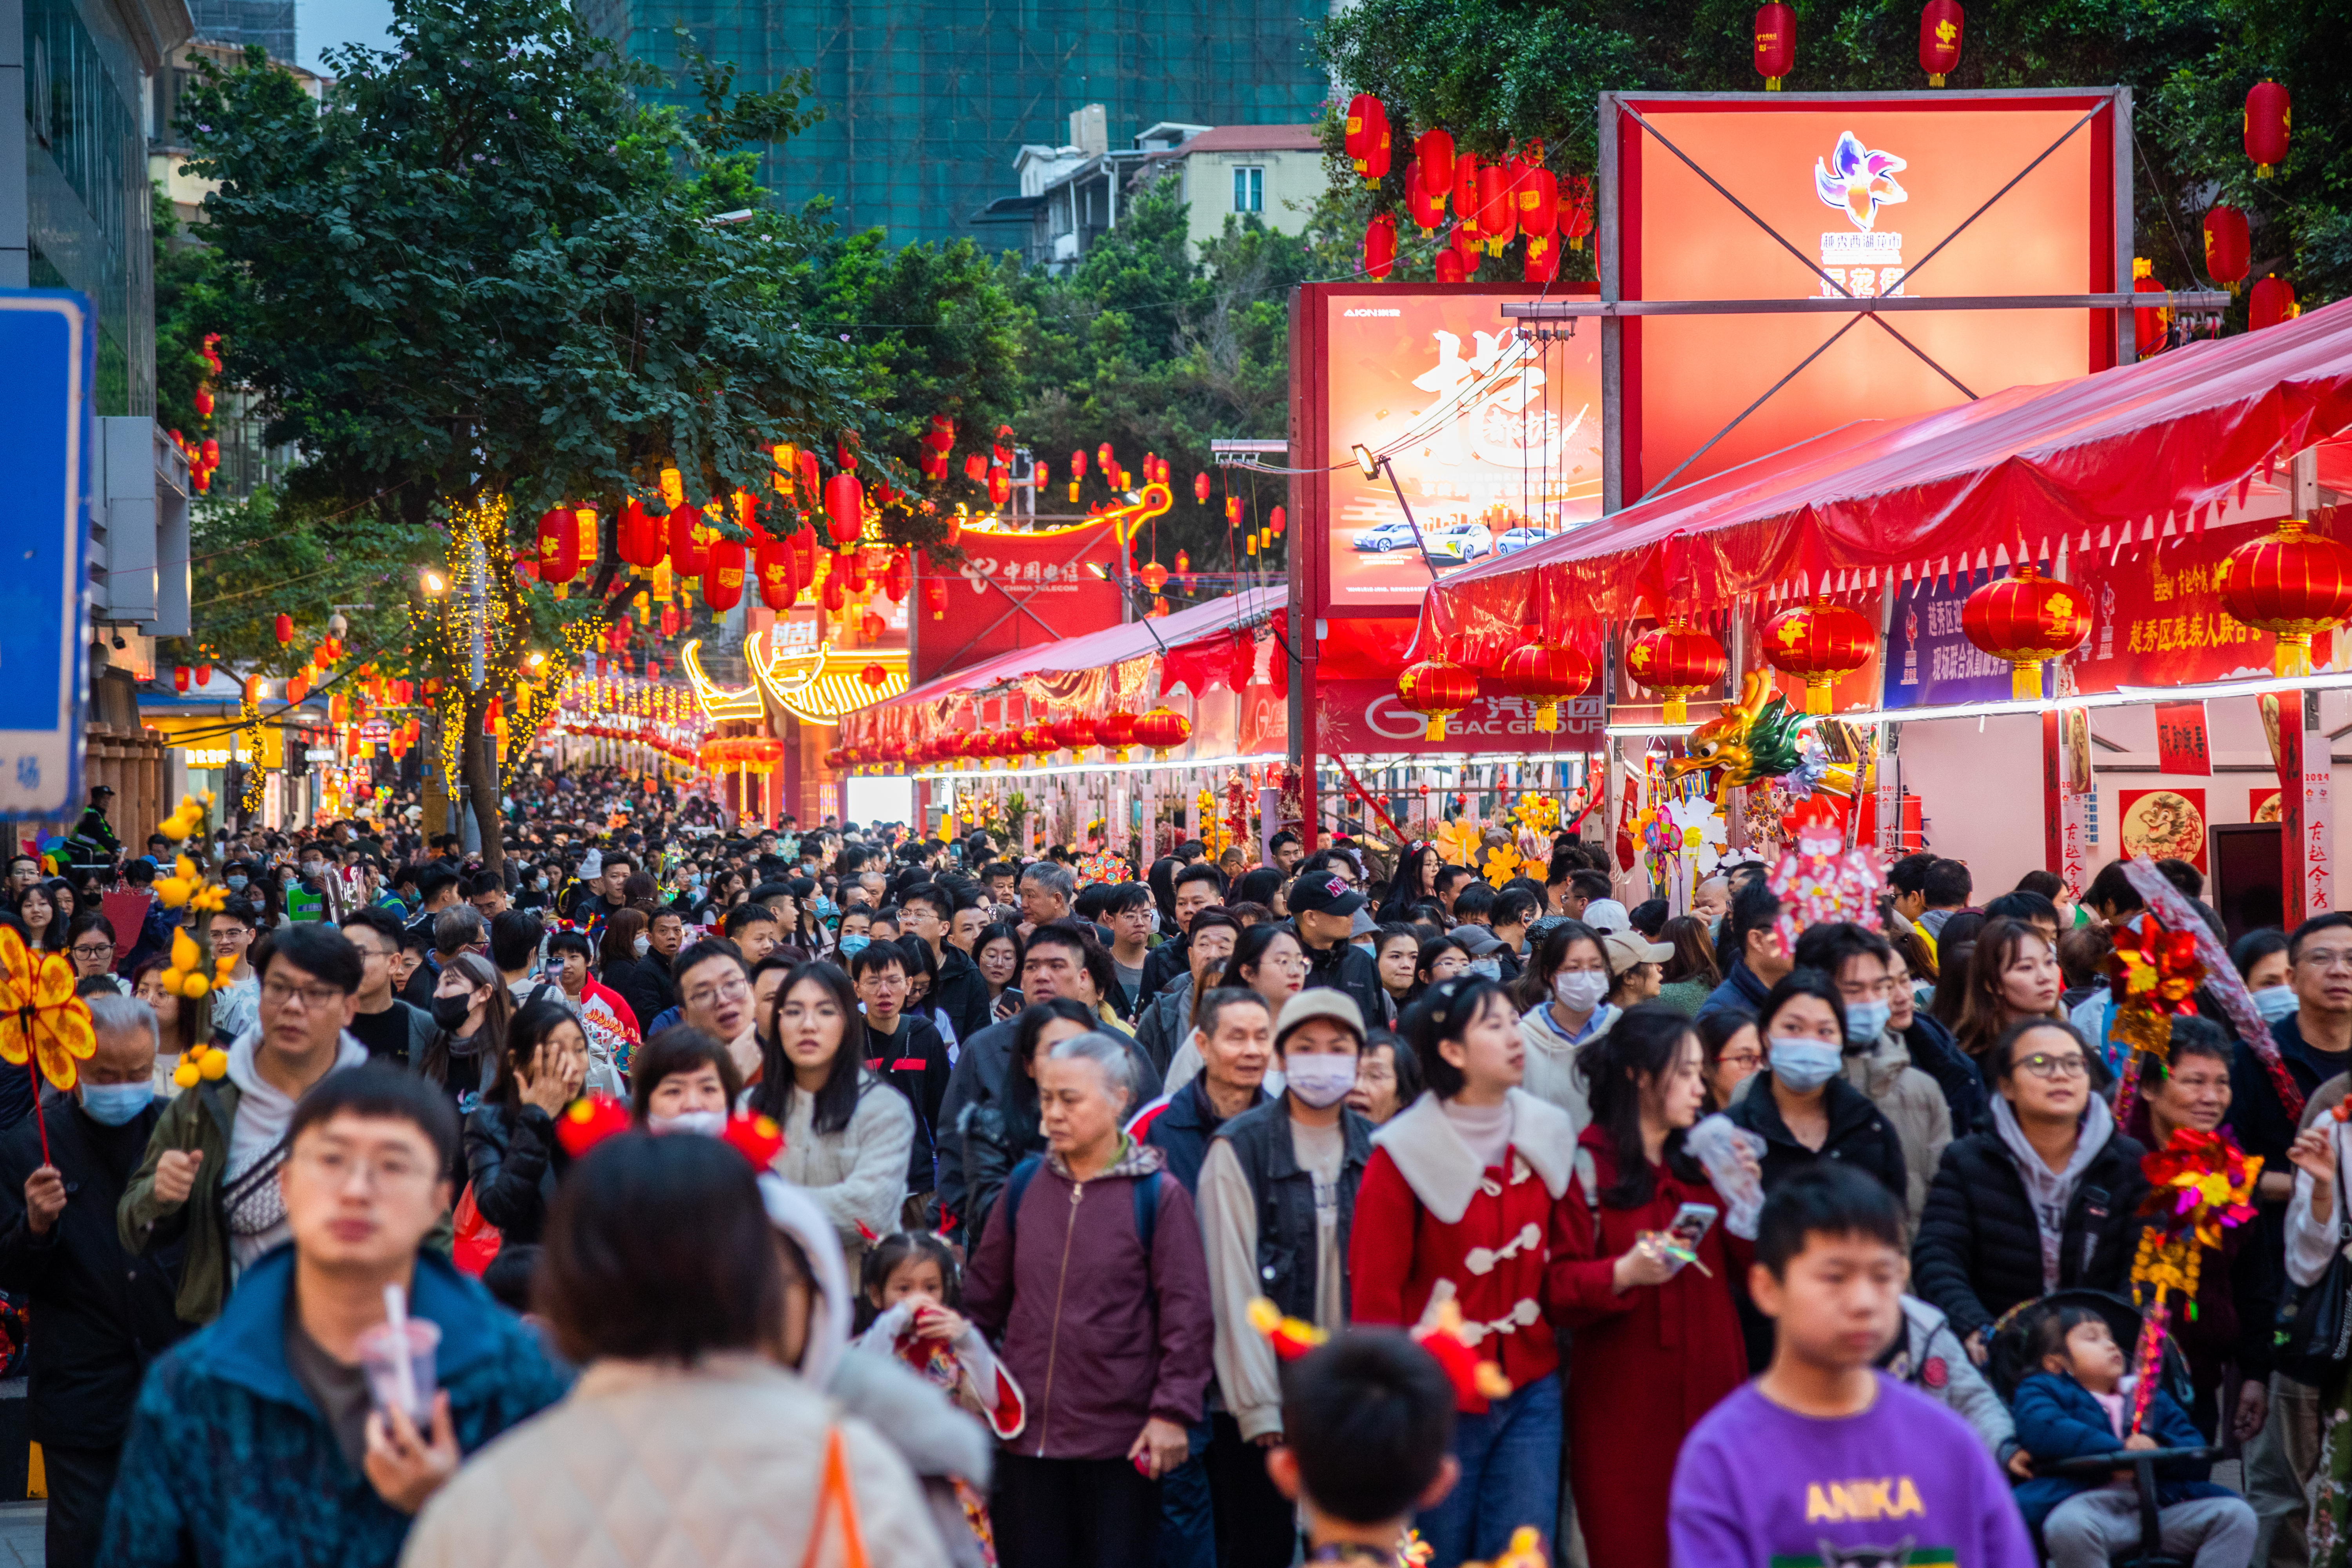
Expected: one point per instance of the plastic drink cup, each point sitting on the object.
(397, 1381)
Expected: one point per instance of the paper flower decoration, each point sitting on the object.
(1538, 814)
(2154, 978)
(1504, 862)
(1290, 1337)
(756, 1137)
(1459, 841)
(2200, 1185)
(1102, 868)
(1703, 835)
(41, 1019)
(589, 1121)
(1820, 879)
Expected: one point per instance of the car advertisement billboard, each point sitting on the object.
(1910, 194)
(1495, 437)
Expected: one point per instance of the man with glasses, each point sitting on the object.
(210, 1180)
(302, 1465)
(391, 1031)
(714, 992)
(1877, 1058)
(236, 1004)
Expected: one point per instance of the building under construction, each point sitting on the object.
(927, 102)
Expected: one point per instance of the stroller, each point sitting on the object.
(2008, 1363)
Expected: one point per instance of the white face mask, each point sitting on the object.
(641, 946)
(710, 1124)
(1580, 990)
(1319, 1078)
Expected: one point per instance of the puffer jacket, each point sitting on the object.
(604, 1466)
(1859, 1135)
(1101, 1335)
(1553, 1075)
(1979, 1251)
(513, 1160)
(1913, 1103)
(857, 1175)
(1929, 1357)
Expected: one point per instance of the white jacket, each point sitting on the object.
(704, 1469)
(857, 1175)
(2310, 1243)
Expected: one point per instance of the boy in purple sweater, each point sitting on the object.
(1823, 1461)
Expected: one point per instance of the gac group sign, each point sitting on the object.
(1496, 437)
(1868, 194)
(1354, 715)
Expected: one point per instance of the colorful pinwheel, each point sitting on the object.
(2200, 1185)
(42, 1023)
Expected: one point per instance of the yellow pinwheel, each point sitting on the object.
(40, 1016)
(1459, 841)
(1504, 862)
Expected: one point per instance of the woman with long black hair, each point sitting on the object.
(471, 1007)
(513, 1158)
(847, 1134)
(1415, 882)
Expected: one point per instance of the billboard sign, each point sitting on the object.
(48, 341)
(1894, 195)
(1494, 436)
(1014, 591)
(1358, 716)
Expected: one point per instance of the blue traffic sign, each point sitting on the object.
(48, 341)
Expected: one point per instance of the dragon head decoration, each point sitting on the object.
(1754, 739)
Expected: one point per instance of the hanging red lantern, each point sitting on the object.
(1449, 267)
(1116, 732)
(669, 620)
(1775, 43)
(203, 676)
(688, 556)
(2268, 115)
(641, 536)
(255, 689)
(284, 627)
(1676, 661)
(809, 475)
(1201, 487)
(298, 687)
(1103, 464)
(2022, 620)
(1074, 732)
(1817, 643)
(1379, 247)
(1498, 209)
(1000, 484)
(1184, 566)
(180, 678)
(1437, 690)
(2226, 244)
(1434, 153)
(935, 598)
(1575, 210)
(1547, 677)
(2151, 330)
(1163, 729)
(1154, 576)
(2292, 585)
(1273, 521)
(1465, 196)
(2271, 301)
(559, 546)
(895, 575)
(1078, 466)
(832, 595)
(1367, 137)
(1426, 210)
(1542, 261)
(722, 578)
(874, 677)
(975, 467)
(1940, 39)
(844, 510)
(1539, 202)
(772, 564)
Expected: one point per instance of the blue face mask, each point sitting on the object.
(237, 884)
(1866, 1021)
(116, 1103)
(1804, 1065)
(854, 943)
(2275, 1002)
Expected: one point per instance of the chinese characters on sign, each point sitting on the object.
(2181, 745)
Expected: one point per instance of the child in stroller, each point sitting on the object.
(2064, 1360)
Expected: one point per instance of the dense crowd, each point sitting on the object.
(1777, 1244)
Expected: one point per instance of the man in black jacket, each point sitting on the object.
(1196, 888)
(960, 989)
(905, 1051)
(97, 1314)
(1323, 908)
(651, 992)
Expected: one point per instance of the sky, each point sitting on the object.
(321, 24)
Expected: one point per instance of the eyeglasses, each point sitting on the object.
(733, 990)
(82, 950)
(1741, 1059)
(335, 1166)
(2050, 1067)
(277, 994)
(2328, 957)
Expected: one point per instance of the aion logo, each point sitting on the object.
(1859, 180)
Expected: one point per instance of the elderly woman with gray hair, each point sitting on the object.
(1091, 1276)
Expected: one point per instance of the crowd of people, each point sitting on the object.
(1776, 1244)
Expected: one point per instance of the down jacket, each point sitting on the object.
(1979, 1251)
(1912, 1104)
(717, 1465)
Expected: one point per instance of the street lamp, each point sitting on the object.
(435, 584)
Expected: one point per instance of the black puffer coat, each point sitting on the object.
(1979, 1251)
(1859, 1135)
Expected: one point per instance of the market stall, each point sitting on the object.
(2155, 537)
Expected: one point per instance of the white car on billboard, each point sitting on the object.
(1458, 541)
(1384, 537)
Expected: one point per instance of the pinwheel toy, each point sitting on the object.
(2200, 1185)
(43, 1025)
(2154, 976)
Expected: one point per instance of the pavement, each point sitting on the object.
(21, 1524)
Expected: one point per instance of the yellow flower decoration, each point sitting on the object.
(40, 1016)
(1459, 841)
(1504, 862)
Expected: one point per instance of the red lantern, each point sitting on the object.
(641, 536)
(1379, 247)
(1000, 484)
(895, 577)
(2271, 301)
(1775, 43)
(1078, 466)
(2023, 620)
(1367, 137)
(722, 578)
(255, 689)
(1434, 154)
(1817, 643)
(2151, 328)
(1163, 729)
(298, 687)
(1547, 677)
(2226, 244)
(975, 467)
(1676, 661)
(1426, 210)
(1539, 202)
(832, 595)
(1498, 209)
(1074, 732)
(180, 678)
(559, 546)
(845, 508)
(1449, 267)
(1542, 263)
(204, 675)
(1201, 487)
(935, 598)
(2268, 117)
(2290, 584)
(1274, 521)
(1437, 690)
(807, 460)
(669, 622)
(1940, 39)
(1183, 565)
(771, 564)
(688, 556)
(284, 627)
(1466, 195)
(1116, 732)
(1575, 210)
(874, 677)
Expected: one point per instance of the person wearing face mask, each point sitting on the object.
(1565, 997)
(98, 1314)
(685, 1082)
(1801, 1104)
(470, 1013)
(1877, 1058)
(1296, 1162)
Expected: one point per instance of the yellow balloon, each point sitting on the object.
(185, 955)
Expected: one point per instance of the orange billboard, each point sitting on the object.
(1912, 195)
(1494, 436)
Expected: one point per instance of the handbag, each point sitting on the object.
(478, 1240)
(834, 1496)
(2313, 1331)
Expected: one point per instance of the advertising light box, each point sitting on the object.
(1922, 195)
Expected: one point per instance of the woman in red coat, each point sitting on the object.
(1657, 1340)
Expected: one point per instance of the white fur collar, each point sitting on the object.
(1444, 1175)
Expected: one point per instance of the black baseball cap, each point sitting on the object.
(1324, 894)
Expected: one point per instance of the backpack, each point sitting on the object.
(1147, 1203)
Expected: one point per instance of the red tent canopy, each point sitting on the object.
(2138, 451)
